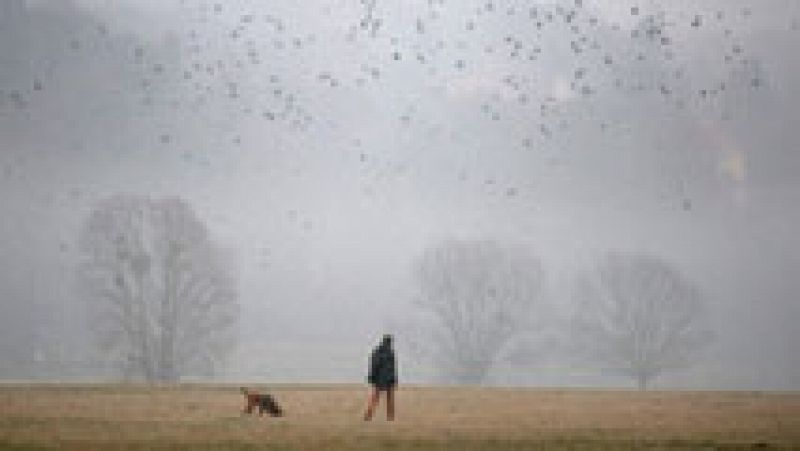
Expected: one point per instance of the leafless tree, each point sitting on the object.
(638, 316)
(162, 303)
(479, 296)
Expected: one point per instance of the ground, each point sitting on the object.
(329, 417)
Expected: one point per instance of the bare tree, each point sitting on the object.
(163, 304)
(638, 316)
(480, 296)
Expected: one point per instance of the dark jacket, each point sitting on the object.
(382, 368)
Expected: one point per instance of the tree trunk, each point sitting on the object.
(168, 322)
(642, 379)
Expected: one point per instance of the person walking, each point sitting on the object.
(383, 378)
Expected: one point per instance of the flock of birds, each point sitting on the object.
(238, 58)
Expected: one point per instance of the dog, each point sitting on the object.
(264, 401)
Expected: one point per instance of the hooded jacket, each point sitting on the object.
(382, 368)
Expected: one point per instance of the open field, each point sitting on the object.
(329, 417)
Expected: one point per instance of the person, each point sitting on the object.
(383, 378)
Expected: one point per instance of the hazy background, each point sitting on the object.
(328, 143)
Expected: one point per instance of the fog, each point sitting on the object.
(327, 144)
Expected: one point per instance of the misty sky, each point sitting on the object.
(328, 143)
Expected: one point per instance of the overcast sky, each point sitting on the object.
(328, 143)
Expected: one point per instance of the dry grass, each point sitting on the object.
(325, 417)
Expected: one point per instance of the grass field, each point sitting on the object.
(329, 417)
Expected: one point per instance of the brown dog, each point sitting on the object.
(264, 402)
